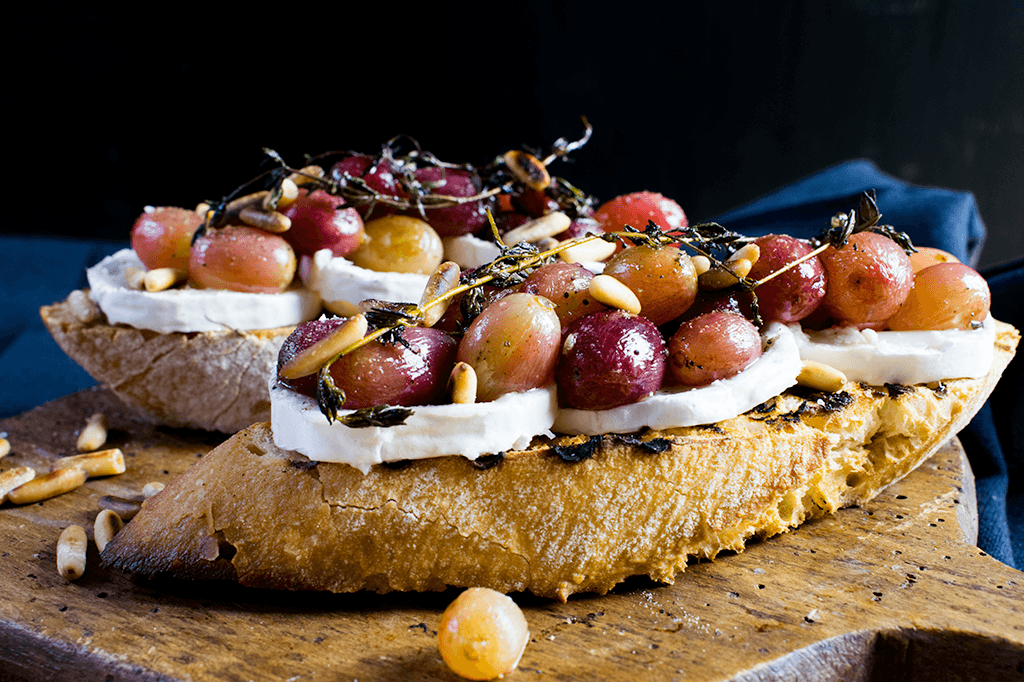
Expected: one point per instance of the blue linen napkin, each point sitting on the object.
(34, 370)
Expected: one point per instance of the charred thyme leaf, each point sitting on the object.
(654, 445)
(381, 415)
(329, 397)
(488, 461)
(578, 452)
(896, 390)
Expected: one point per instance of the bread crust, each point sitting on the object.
(269, 518)
(216, 381)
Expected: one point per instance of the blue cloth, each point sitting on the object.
(34, 370)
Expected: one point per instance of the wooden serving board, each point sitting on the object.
(892, 590)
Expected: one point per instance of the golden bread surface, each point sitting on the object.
(215, 381)
(534, 521)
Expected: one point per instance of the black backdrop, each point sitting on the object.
(711, 103)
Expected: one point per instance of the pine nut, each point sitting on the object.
(311, 359)
(444, 279)
(102, 463)
(725, 276)
(340, 308)
(151, 489)
(121, 506)
(614, 294)
(83, 307)
(289, 193)
(268, 221)
(463, 384)
(134, 278)
(14, 477)
(203, 209)
(162, 279)
(71, 549)
(821, 377)
(750, 252)
(546, 226)
(701, 264)
(589, 252)
(528, 169)
(5, 447)
(94, 435)
(48, 485)
(301, 178)
(106, 526)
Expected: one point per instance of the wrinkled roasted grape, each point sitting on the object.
(926, 256)
(637, 209)
(608, 359)
(794, 294)
(662, 278)
(567, 286)
(482, 634)
(162, 237)
(460, 219)
(944, 296)
(380, 373)
(512, 345)
(320, 221)
(378, 174)
(242, 258)
(867, 279)
(399, 243)
(712, 346)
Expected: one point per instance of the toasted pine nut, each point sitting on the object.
(300, 179)
(444, 279)
(750, 252)
(538, 228)
(614, 294)
(5, 447)
(134, 278)
(162, 279)
(268, 221)
(289, 193)
(106, 526)
(48, 485)
(14, 477)
(462, 384)
(820, 377)
(102, 463)
(203, 209)
(341, 308)
(235, 206)
(546, 243)
(528, 169)
(721, 277)
(701, 264)
(588, 252)
(121, 506)
(94, 435)
(83, 307)
(71, 549)
(311, 359)
(151, 489)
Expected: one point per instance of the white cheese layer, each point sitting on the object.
(339, 279)
(192, 310)
(469, 251)
(508, 423)
(771, 374)
(917, 357)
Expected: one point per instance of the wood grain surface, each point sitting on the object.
(893, 590)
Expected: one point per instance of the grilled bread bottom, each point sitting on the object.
(573, 514)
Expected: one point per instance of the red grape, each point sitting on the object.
(712, 346)
(567, 286)
(944, 296)
(867, 279)
(794, 294)
(637, 209)
(378, 174)
(242, 258)
(162, 237)
(608, 359)
(320, 222)
(453, 221)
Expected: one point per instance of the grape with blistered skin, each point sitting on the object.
(867, 280)
(712, 346)
(241, 258)
(944, 296)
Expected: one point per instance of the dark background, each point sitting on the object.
(711, 103)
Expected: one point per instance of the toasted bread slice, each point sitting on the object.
(215, 381)
(536, 520)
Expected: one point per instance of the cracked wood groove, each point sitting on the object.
(889, 591)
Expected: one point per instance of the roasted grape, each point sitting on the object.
(162, 237)
(608, 359)
(566, 285)
(712, 346)
(241, 258)
(379, 176)
(319, 221)
(944, 296)
(867, 280)
(399, 243)
(512, 345)
(482, 634)
(795, 293)
(637, 209)
(662, 278)
(452, 221)
(926, 256)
